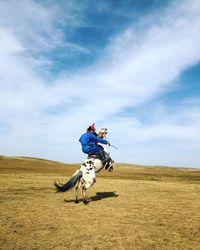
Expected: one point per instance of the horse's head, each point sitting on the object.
(103, 132)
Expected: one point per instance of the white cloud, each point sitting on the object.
(44, 116)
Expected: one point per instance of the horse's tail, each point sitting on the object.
(70, 184)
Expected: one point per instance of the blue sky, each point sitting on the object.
(130, 66)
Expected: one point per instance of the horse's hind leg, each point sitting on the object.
(77, 187)
(85, 200)
(86, 186)
(76, 200)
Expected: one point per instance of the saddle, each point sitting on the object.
(90, 156)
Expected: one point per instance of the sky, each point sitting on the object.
(132, 66)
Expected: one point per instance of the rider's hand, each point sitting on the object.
(108, 143)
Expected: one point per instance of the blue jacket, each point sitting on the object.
(88, 142)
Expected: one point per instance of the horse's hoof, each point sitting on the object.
(110, 169)
(85, 202)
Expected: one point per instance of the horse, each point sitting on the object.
(85, 177)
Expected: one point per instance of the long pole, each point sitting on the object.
(113, 146)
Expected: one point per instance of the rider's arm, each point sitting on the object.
(97, 139)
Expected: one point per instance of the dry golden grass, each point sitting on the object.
(131, 208)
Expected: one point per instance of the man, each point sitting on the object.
(89, 144)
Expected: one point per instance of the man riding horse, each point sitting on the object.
(98, 159)
(90, 146)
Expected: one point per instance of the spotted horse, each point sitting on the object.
(84, 178)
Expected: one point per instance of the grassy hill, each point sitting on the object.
(133, 207)
(122, 171)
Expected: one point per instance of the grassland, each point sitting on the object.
(133, 207)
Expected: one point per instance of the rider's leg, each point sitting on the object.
(107, 156)
(103, 155)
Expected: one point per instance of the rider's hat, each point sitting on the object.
(91, 127)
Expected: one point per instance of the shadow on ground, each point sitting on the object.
(98, 196)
